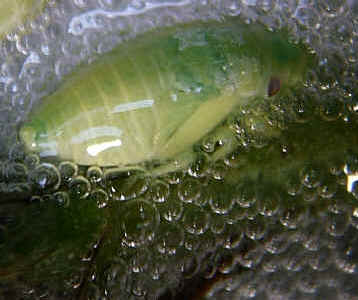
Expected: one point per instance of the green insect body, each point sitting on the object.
(16, 12)
(153, 98)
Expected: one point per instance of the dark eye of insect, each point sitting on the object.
(274, 86)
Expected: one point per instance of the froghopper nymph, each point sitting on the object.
(154, 97)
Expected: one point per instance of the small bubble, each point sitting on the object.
(218, 170)
(354, 217)
(169, 237)
(328, 188)
(139, 221)
(208, 145)
(198, 168)
(232, 237)
(171, 210)
(47, 198)
(221, 203)
(100, 197)
(292, 217)
(251, 258)
(62, 199)
(337, 224)
(293, 185)
(125, 185)
(138, 4)
(309, 195)
(79, 187)
(331, 108)
(354, 189)
(189, 190)
(226, 262)
(320, 260)
(32, 160)
(68, 171)
(138, 285)
(159, 192)
(308, 282)
(195, 220)
(15, 172)
(245, 195)
(82, 3)
(310, 176)
(255, 229)
(217, 224)
(294, 259)
(236, 214)
(276, 242)
(45, 177)
(190, 267)
(338, 204)
(268, 205)
(94, 175)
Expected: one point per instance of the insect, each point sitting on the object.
(16, 12)
(153, 98)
